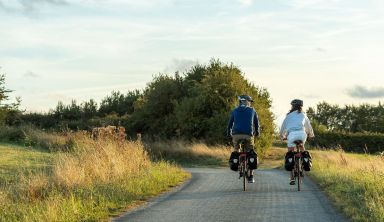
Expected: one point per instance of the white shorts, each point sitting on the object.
(296, 135)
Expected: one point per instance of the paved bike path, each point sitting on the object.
(216, 195)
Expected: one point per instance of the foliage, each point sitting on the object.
(192, 106)
(354, 128)
(350, 118)
(9, 112)
(32, 137)
(353, 142)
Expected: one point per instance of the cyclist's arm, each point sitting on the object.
(256, 124)
(283, 130)
(308, 128)
(230, 124)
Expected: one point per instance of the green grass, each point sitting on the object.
(354, 181)
(16, 160)
(29, 191)
(190, 154)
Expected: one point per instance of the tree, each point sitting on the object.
(9, 112)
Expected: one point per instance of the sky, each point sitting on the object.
(316, 50)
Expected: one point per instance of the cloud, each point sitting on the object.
(180, 65)
(31, 74)
(28, 6)
(364, 92)
(245, 2)
(319, 49)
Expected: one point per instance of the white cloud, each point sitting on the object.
(180, 65)
(245, 2)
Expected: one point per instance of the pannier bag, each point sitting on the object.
(234, 161)
(307, 161)
(252, 160)
(289, 163)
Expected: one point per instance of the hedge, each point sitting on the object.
(352, 142)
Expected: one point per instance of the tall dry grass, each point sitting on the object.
(354, 181)
(93, 181)
(100, 160)
(187, 153)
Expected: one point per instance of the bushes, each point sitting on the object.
(353, 142)
(192, 106)
(30, 136)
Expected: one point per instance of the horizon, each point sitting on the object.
(316, 50)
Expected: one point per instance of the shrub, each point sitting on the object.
(353, 142)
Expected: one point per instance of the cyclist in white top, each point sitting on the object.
(296, 126)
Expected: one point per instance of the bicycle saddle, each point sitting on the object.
(298, 142)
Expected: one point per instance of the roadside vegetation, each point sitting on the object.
(93, 181)
(354, 181)
(190, 154)
(354, 128)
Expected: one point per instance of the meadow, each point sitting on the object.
(96, 180)
(354, 181)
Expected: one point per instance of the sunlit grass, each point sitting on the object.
(96, 180)
(354, 181)
(190, 154)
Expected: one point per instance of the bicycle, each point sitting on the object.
(298, 172)
(243, 164)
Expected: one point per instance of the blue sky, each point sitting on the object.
(317, 50)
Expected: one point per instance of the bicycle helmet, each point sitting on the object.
(297, 102)
(245, 98)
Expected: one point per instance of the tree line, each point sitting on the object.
(350, 127)
(194, 106)
(348, 118)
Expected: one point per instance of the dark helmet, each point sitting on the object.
(297, 102)
(245, 98)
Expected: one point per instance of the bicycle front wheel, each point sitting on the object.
(245, 175)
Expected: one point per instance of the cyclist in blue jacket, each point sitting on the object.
(244, 125)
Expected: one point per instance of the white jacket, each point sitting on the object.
(296, 121)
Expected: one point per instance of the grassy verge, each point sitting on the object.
(96, 180)
(354, 181)
(190, 154)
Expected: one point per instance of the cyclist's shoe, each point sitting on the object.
(251, 179)
(241, 174)
(292, 182)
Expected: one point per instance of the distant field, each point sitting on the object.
(97, 180)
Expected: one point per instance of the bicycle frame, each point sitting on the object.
(298, 172)
(243, 165)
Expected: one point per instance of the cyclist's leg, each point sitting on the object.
(294, 136)
(291, 149)
(236, 145)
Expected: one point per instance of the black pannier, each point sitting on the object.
(234, 161)
(307, 161)
(289, 161)
(252, 160)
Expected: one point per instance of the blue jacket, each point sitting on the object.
(244, 120)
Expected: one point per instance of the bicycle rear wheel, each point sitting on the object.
(245, 174)
(298, 175)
